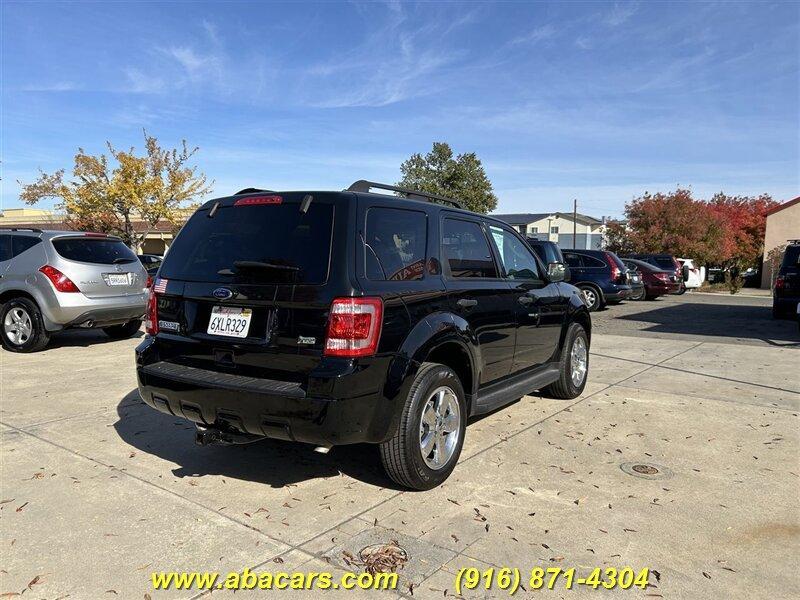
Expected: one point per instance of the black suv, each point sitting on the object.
(344, 317)
(786, 291)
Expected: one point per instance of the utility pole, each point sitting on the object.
(575, 224)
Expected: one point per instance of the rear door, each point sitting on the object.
(476, 291)
(539, 306)
(249, 284)
(101, 266)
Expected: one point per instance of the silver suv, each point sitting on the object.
(53, 280)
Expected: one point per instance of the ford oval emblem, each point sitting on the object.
(222, 293)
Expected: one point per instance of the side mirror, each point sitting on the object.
(556, 272)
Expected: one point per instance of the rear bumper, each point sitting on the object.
(268, 408)
(62, 310)
(785, 305)
(661, 289)
(618, 292)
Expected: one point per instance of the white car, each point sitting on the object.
(693, 276)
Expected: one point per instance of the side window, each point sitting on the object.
(591, 261)
(540, 252)
(5, 247)
(21, 243)
(465, 250)
(395, 244)
(518, 262)
(572, 259)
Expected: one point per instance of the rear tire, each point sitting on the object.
(639, 295)
(681, 290)
(126, 330)
(22, 327)
(573, 367)
(593, 297)
(403, 455)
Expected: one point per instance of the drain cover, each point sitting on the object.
(382, 558)
(646, 470)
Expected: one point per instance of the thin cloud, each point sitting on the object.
(59, 86)
(620, 13)
(545, 32)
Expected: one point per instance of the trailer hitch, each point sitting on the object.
(212, 436)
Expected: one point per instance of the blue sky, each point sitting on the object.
(595, 101)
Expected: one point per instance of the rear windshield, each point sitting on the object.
(791, 258)
(101, 251)
(270, 243)
(665, 262)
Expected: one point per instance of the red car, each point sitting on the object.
(666, 262)
(657, 282)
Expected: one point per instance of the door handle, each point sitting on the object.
(526, 300)
(465, 303)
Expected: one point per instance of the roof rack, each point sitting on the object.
(362, 185)
(34, 229)
(250, 191)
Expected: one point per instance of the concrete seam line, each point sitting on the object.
(146, 482)
(739, 402)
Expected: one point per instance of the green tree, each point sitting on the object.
(461, 178)
(109, 198)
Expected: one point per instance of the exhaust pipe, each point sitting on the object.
(322, 449)
(211, 436)
(88, 324)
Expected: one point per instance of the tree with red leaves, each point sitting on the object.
(744, 221)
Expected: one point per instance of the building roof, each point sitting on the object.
(522, 218)
(780, 207)
(525, 218)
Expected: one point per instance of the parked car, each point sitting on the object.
(635, 280)
(344, 317)
(548, 252)
(150, 261)
(666, 262)
(54, 280)
(657, 282)
(601, 275)
(692, 276)
(786, 290)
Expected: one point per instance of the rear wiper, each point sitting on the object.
(255, 264)
(121, 260)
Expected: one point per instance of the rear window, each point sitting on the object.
(791, 258)
(271, 243)
(395, 241)
(101, 251)
(665, 262)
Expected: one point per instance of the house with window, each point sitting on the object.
(583, 232)
(783, 225)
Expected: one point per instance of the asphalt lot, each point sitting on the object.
(98, 490)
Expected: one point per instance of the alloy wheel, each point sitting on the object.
(18, 326)
(578, 361)
(440, 427)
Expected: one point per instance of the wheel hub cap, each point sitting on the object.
(440, 427)
(578, 361)
(18, 326)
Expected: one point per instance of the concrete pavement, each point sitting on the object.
(99, 490)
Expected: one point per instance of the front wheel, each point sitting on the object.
(126, 330)
(573, 368)
(425, 448)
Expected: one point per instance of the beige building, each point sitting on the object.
(783, 224)
(157, 240)
(559, 227)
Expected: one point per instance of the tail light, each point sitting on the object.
(661, 276)
(149, 283)
(354, 327)
(780, 282)
(151, 319)
(615, 272)
(61, 282)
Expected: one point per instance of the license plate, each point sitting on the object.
(117, 278)
(229, 321)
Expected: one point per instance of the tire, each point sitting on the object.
(638, 296)
(566, 387)
(126, 330)
(402, 454)
(593, 297)
(681, 290)
(21, 326)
